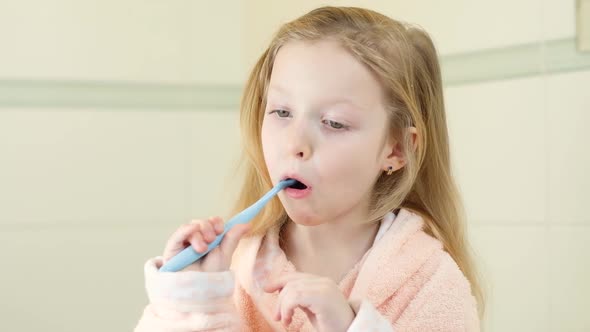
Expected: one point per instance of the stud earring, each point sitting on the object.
(390, 170)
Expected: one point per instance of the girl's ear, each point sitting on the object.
(394, 153)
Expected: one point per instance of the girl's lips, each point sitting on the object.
(298, 193)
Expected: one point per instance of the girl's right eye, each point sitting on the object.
(280, 113)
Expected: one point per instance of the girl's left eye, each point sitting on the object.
(334, 124)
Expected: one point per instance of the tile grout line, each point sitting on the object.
(466, 68)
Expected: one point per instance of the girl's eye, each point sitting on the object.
(334, 124)
(281, 113)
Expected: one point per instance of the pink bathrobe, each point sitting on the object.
(405, 282)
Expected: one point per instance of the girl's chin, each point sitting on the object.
(304, 219)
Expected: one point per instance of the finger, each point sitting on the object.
(283, 293)
(292, 299)
(273, 286)
(208, 231)
(310, 315)
(179, 238)
(280, 299)
(277, 312)
(197, 241)
(218, 225)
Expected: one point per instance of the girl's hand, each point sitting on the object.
(320, 298)
(198, 234)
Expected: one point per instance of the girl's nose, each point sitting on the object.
(299, 142)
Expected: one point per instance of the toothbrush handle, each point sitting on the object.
(189, 256)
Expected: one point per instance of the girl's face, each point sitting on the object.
(324, 124)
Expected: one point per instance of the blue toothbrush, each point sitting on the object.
(189, 255)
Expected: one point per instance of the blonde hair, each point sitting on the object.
(405, 60)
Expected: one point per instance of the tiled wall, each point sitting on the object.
(88, 192)
(88, 195)
(521, 163)
(130, 40)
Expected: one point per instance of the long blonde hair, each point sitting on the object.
(405, 60)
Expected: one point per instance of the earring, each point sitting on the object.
(390, 170)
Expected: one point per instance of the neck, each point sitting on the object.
(331, 248)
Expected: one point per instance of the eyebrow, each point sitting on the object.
(339, 100)
(277, 88)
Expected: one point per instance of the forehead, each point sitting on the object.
(323, 69)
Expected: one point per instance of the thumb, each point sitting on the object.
(232, 238)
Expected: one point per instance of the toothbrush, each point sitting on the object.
(188, 256)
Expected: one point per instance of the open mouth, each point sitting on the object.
(298, 185)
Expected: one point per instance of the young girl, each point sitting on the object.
(349, 102)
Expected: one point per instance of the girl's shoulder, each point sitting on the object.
(406, 256)
(415, 281)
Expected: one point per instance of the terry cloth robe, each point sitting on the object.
(404, 282)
